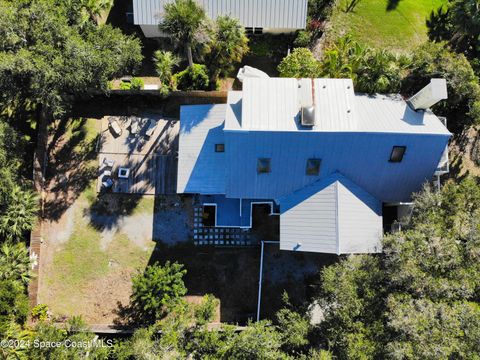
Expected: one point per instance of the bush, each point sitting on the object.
(299, 64)
(134, 84)
(303, 39)
(205, 312)
(192, 78)
(40, 312)
(157, 289)
(137, 84)
(13, 302)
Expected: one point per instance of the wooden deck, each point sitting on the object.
(153, 167)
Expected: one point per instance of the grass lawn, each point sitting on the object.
(398, 25)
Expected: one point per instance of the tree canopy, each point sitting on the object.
(47, 59)
(419, 299)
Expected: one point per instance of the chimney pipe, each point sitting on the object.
(429, 95)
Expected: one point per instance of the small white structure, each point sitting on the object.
(259, 16)
(250, 72)
(429, 95)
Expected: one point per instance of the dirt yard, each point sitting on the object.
(92, 245)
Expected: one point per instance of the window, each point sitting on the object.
(219, 147)
(313, 166)
(263, 165)
(258, 31)
(397, 153)
(249, 30)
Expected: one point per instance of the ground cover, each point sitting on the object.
(398, 25)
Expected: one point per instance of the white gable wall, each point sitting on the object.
(359, 220)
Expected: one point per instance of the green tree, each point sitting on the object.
(157, 289)
(299, 64)
(228, 46)
(436, 60)
(15, 262)
(419, 299)
(13, 303)
(18, 216)
(46, 61)
(293, 327)
(165, 62)
(183, 20)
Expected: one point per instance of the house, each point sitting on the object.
(330, 162)
(259, 16)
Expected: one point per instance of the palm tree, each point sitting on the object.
(95, 8)
(228, 46)
(183, 20)
(19, 215)
(165, 62)
(15, 262)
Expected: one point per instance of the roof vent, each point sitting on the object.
(429, 95)
(308, 116)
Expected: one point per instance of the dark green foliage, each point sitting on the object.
(158, 289)
(320, 9)
(13, 303)
(420, 298)
(192, 78)
(184, 21)
(436, 60)
(46, 60)
(459, 24)
(15, 262)
(227, 47)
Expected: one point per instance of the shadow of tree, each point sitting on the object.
(392, 4)
(69, 169)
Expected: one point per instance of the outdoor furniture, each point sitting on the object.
(134, 127)
(107, 173)
(107, 182)
(114, 127)
(108, 163)
(123, 173)
(151, 128)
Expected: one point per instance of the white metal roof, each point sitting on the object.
(390, 113)
(274, 104)
(270, 14)
(200, 169)
(333, 216)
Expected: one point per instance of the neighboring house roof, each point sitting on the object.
(274, 104)
(280, 14)
(201, 169)
(332, 215)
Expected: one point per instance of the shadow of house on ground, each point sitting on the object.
(69, 168)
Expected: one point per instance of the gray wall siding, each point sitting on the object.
(272, 14)
(313, 223)
(359, 220)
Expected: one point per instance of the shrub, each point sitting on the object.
(40, 312)
(13, 302)
(134, 84)
(192, 78)
(303, 39)
(157, 289)
(299, 64)
(205, 312)
(137, 84)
